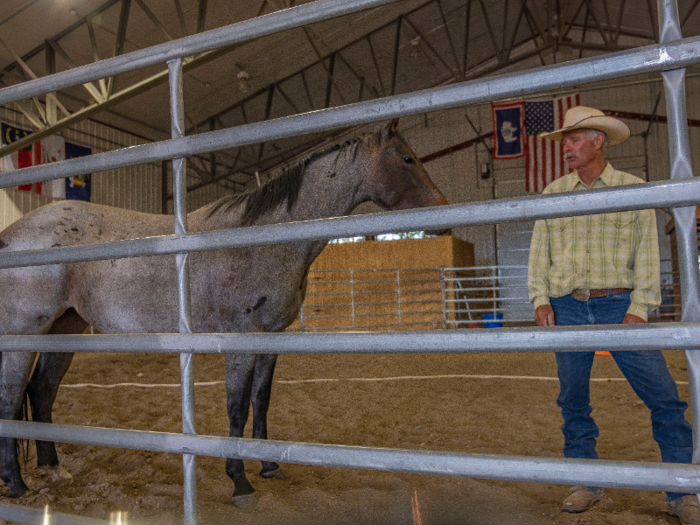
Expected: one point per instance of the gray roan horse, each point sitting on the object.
(258, 289)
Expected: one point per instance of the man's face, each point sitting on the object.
(580, 150)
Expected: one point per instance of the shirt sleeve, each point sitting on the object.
(647, 286)
(538, 265)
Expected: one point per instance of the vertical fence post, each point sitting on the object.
(685, 217)
(189, 461)
(352, 296)
(398, 292)
(444, 298)
(494, 289)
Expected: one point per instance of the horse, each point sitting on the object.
(255, 289)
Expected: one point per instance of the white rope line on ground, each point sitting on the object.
(358, 379)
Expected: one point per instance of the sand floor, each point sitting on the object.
(503, 415)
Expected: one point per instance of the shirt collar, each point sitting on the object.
(606, 178)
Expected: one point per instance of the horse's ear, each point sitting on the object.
(390, 129)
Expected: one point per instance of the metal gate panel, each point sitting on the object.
(681, 193)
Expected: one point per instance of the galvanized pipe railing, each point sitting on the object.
(21, 514)
(661, 336)
(646, 59)
(638, 196)
(621, 474)
(684, 217)
(681, 193)
(177, 115)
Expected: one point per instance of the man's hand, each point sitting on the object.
(544, 315)
(632, 319)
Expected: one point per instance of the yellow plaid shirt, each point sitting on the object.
(609, 250)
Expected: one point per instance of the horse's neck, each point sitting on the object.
(331, 187)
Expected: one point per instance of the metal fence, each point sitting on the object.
(432, 298)
(681, 193)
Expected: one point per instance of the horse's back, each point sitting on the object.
(33, 297)
(70, 223)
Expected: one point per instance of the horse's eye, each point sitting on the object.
(409, 160)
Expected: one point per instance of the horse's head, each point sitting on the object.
(396, 179)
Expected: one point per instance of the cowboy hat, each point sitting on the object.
(581, 117)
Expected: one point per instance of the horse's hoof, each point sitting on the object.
(19, 490)
(57, 473)
(245, 501)
(21, 493)
(274, 474)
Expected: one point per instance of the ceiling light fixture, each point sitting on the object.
(415, 47)
(243, 84)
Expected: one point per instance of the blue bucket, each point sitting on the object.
(488, 317)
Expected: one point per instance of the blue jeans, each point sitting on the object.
(646, 372)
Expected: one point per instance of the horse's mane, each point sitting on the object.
(275, 191)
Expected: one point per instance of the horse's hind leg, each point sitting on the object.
(15, 368)
(239, 381)
(262, 389)
(43, 386)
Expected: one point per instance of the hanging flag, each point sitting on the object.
(544, 157)
(508, 136)
(53, 149)
(24, 158)
(80, 186)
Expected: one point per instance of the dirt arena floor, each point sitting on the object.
(384, 401)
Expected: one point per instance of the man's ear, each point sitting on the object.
(599, 141)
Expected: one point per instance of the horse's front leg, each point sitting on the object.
(239, 381)
(262, 389)
(42, 391)
(15, 368)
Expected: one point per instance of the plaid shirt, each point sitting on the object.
(609, 250)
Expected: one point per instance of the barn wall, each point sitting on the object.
(134, 187)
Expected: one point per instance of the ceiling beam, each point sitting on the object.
(153, 18)
(201, 15)
(121, 39)
(181, 18)
(114, 100)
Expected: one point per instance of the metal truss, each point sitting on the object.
(439, 42)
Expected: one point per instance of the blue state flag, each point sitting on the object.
(80, 186)
(508, 130)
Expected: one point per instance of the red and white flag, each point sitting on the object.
(544, 157)
(53, 149)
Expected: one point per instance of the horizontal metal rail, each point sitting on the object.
(621, 474)
(191, 45)
(664, 336)
(639, 196)
(646, 59)
(21, 514)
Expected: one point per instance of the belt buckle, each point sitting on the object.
(581, 294)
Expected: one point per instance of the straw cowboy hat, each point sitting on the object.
(581, 117)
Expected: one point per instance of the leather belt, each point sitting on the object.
(581, 294)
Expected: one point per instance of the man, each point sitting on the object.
(604, 269)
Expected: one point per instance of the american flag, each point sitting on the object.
(544, 157)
